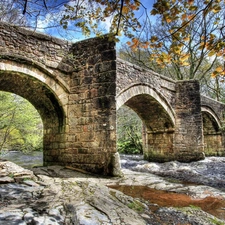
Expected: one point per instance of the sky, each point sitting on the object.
(49, 19)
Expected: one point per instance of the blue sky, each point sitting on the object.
(47, 20)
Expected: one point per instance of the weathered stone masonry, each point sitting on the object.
(91, 106)
(73, 88)
(77, 88)
(213, 126)
(188, 136)
(179, 123)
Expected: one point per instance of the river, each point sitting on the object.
(209, 171)
(26, 160)
(31, 159)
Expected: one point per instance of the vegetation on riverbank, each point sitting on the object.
(21, 127)
(129, 132)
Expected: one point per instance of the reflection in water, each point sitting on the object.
(212, 205)
(27, 161)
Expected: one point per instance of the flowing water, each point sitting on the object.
(26, 160)
(156, 198)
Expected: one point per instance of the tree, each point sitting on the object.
(9, 12)
(129, 131)
(186, 42)
(193, 31)
(20, 124)
(214, 88)
(43, 14)
(124, 16)
(7, 114)
(187, 39)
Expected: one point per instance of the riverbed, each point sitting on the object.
(185, 186)
(209, 171)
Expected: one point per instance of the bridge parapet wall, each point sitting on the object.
(218, 108)
(129, 75)
(26, 46)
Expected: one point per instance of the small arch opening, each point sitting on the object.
(156, 128)
(213, 138)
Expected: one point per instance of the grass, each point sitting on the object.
(137, 206)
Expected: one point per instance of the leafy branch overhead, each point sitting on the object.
(120, 15)
(198, 25)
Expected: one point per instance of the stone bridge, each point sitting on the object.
(180, 124)
(77, 88)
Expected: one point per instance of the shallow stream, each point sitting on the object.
(159, 198)
(209, 172)
(27, 161)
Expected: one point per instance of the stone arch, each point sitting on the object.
(158, 118)
(46, 94)
(34, 69)
(213, 138)
(140, 89)
(208, 111)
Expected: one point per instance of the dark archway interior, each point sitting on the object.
(213, 141)
(37, 94)
(158, 129)
(210, 126)
(151, 112)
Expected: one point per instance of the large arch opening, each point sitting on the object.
(213, 138)
(46, 102)
(21, 131)
(158, 126)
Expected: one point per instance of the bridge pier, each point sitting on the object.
(91, 111)
(188, 136)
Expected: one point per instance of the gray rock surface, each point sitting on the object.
(59, 196)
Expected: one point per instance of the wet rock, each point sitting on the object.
(28, 218)
(186, 215)
(88, 215)
(45, 220)
(91, 203)
(12, 218)
(30, 183)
